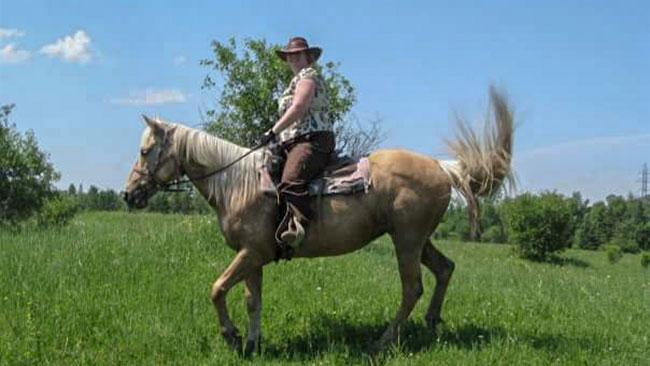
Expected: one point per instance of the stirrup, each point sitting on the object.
(294, 234)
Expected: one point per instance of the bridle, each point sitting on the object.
(150, 174)
(158, 162)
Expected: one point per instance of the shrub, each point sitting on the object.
(494, 234)
(645, 259)
(614, 253)
(629, 246)
(57, 211)
(539, 225)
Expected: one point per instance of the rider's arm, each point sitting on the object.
(301, 101)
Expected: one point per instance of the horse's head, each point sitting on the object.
(156, 165)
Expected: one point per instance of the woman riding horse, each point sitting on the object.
(305, 131)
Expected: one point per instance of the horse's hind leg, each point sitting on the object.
(442, 268)
(408, 252)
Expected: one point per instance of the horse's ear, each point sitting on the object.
(152, 123)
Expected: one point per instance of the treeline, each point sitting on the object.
(95, 199)
(563, 221)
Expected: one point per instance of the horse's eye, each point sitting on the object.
(144, 151)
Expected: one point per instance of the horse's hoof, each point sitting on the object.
(234, 341)
(433, 322)
(251, 346)
(375, 348)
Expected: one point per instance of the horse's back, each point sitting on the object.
(395, 169)
(407, 189)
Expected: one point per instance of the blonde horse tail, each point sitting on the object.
(482, 162)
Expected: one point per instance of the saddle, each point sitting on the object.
(343, 175)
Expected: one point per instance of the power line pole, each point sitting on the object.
(644, 180)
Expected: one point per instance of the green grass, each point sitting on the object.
(119, 289)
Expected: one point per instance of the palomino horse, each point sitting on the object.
(410, 193)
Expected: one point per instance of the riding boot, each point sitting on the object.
(294, 233)
(292, 228)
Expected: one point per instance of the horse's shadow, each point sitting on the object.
(357, 339)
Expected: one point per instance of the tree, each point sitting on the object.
(492, 222)
(72, 190)
(100, 200)
(26, 175)
(596, 228)
(253, 80)
(454, 223)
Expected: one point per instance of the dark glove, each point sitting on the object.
(267, 137)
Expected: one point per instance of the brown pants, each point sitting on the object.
(306, 158)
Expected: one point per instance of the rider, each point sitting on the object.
(305, 131)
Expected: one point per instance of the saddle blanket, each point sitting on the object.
(348, 179)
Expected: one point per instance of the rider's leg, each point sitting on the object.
(305, 161)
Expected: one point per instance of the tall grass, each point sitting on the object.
(116, 288)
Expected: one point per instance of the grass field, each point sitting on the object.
(120, 289)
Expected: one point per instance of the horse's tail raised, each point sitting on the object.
(482, 162)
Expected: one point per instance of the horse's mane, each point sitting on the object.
(232, 188)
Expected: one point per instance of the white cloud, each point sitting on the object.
(11, 54)
(152, 96)
(74, 48)
(570, 146)
(178, 60)
(9, 33)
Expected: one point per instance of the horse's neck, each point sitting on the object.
(201, 154)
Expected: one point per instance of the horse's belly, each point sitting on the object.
(341, 226)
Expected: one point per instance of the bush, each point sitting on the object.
(645, 259)
(57, 211)
(629, 246)
(494, 234)
(614, 253)
(539, 225)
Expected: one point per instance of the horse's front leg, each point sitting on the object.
(241, 267)
(254, 306)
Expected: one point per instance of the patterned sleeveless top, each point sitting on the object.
(317, 117)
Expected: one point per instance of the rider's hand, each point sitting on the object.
(267, 137)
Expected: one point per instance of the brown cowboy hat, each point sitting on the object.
(299, 44)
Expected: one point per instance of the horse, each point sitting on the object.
(408, 197)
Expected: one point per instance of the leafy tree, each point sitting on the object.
(625, 236)
(100, 200)
(491, 220)
(253, 80)
(454, 224)
(188, 202)
(26, 175)
(72, 190)
(579, 208)
(642, 236)
(596, 228)
(159, 203)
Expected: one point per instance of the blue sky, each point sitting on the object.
(578, 73)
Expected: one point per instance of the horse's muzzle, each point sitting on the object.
(136, 199)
